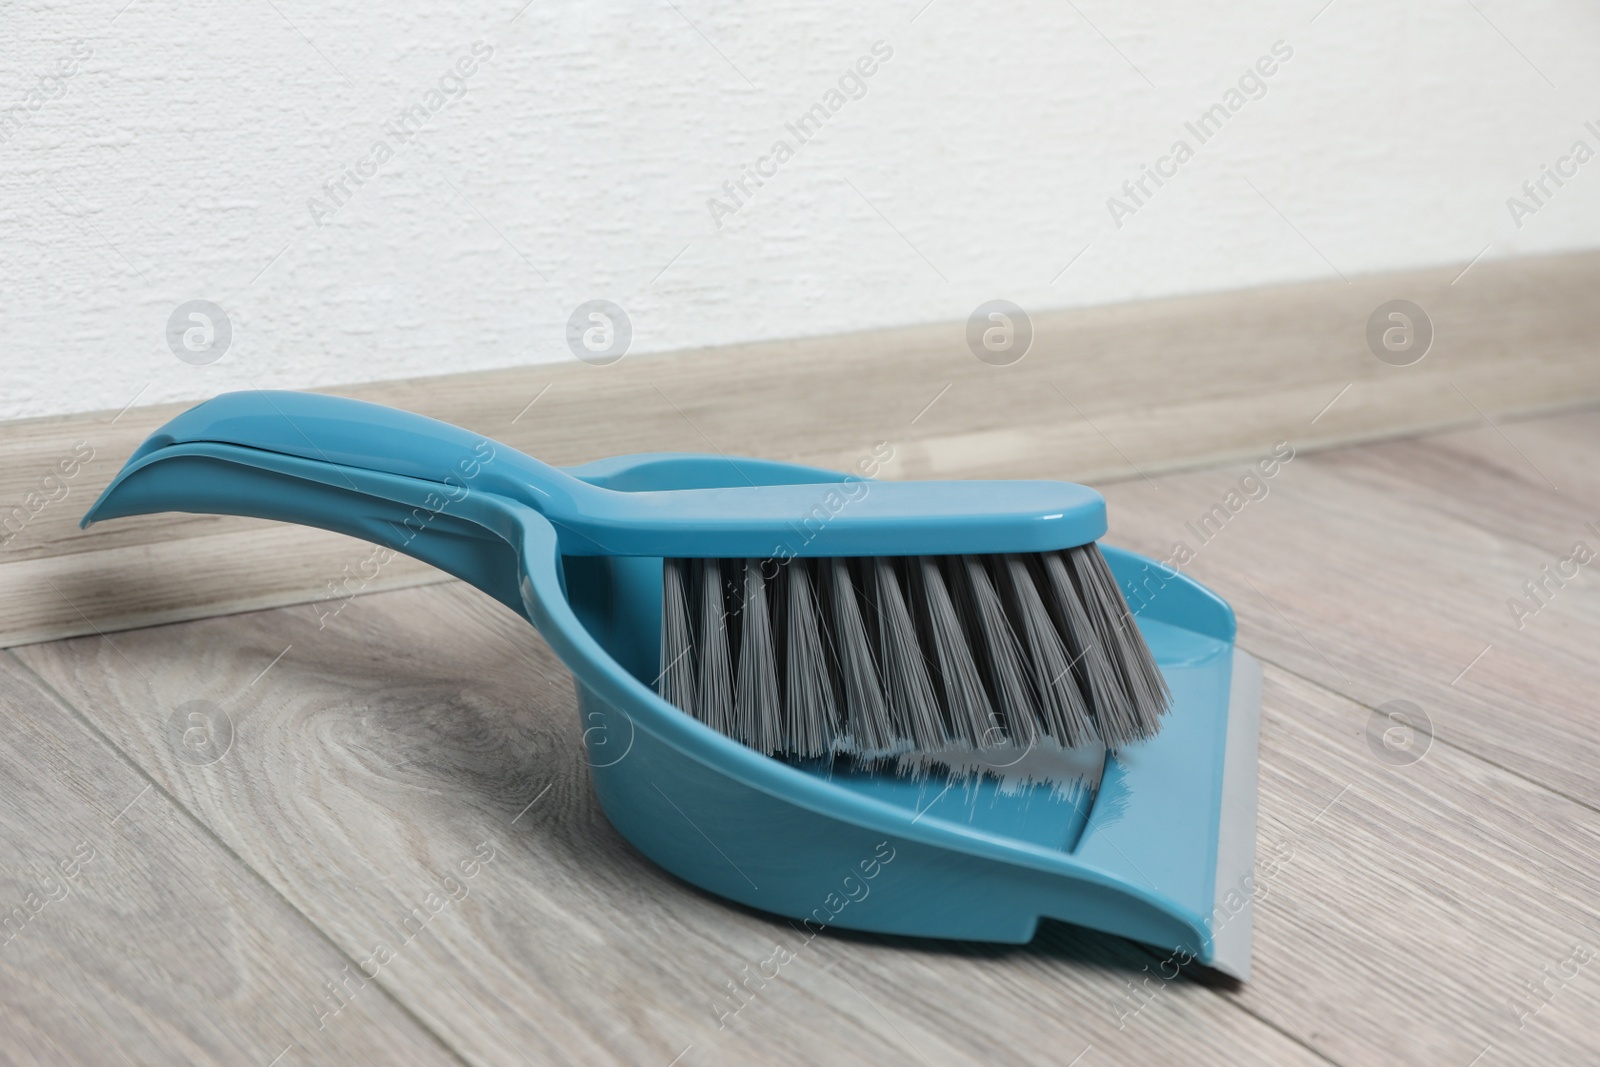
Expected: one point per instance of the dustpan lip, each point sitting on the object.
(1229, 949)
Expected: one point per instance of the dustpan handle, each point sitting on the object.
(354, 433)
(408, 483)
(466, 532)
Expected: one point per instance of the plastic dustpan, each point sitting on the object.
(1156, 843)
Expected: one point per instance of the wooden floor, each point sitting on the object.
(1437, 903)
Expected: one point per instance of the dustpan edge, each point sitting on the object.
(1236, 829)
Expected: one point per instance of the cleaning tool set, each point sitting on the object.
(771, 675)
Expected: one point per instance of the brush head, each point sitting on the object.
(881, 656)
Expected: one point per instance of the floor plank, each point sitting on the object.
(378, 753)
(1531, 480)
(132, 936)
(1381, 597)
(1414, 903)
(267, 565)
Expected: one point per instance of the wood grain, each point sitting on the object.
(1532, 480)
(1104, 393)
(377, 753)
(1376, 595)
(1414, 903)
(131, 935)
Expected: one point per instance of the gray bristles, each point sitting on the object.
(755, 696)
(1060, 702)
(913, 708)
(810, 719)
(1096, 677)
(887, 655)
(995, 645)
(676, 683)
(971, 716)
(866, 718)
(714, 707)
(1138, 683)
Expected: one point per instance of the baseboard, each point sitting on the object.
(1104, 394)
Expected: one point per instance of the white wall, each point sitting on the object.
(177, 160)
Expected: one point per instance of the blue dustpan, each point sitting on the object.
(1158, 846)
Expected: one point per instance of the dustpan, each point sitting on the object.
(1154, 842)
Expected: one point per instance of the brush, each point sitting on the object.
(921, 616)
(880, 655)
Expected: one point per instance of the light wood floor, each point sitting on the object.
(1442, 910)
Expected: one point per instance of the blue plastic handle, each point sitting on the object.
(852, 518)
(353, 433)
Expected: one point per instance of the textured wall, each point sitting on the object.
(157, 153)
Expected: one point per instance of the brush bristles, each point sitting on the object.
(881, 655)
